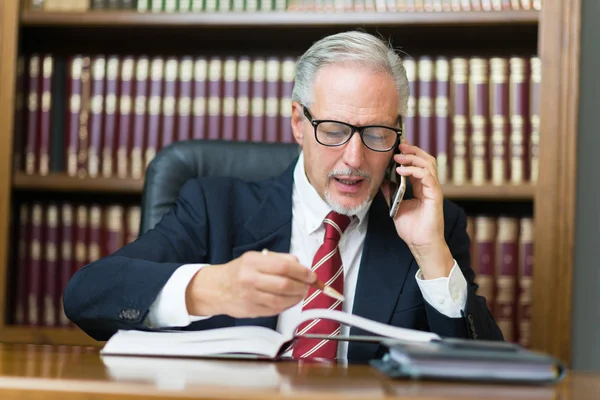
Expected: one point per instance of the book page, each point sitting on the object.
(368, 325)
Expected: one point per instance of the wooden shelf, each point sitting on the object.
(63, 183)
(274, 19)
(35, 335)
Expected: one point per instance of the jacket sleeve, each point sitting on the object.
(117, 291)
(477, 321)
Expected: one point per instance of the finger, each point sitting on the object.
(283, 266)
(422, 174)
(280, 285)
(414, 160)
(287, 256)
(275, 303)
(410, 149)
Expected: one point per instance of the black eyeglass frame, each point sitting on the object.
(360, 129)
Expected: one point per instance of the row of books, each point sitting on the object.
(502, 259)
(187, 6)
(54, 241)
(109, 115)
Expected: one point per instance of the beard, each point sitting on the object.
(340, 208)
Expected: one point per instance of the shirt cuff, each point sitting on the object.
(169, 308)
(447, 295)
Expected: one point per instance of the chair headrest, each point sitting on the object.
(174, 165)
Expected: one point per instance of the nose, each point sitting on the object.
(354, 151)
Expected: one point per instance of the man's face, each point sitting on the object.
(347, 177)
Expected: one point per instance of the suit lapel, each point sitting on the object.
(270, 228)
(385, 262)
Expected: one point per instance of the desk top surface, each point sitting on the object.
(69, 373)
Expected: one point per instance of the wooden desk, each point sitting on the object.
(33, 372)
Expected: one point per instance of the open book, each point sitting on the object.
(246, 341)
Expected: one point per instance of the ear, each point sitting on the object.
(298, 119)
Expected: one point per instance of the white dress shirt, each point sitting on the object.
(448, 295)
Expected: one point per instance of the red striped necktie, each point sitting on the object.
(327, 263)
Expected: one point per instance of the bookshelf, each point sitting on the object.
(552, 32)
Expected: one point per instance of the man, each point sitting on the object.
(326, 217)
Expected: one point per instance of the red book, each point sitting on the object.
(125, 125)
(426, 137)
(272, 100)
(35, 269)
(499, 108)
(242, 104)
(142, 71)
(67, 259)
(23, 262)
(114, 228)
(215, 97)
(84, 117)
(133, 224)
(484, 260)
(33, 101)
(200, 98)
(525, 281)
(74, 108)
(95, 242)
(479, 119)
(459, 88)
(168, 103)
(534, 152)
(411, 128)
(50, 290)
(507, 261)
(519, 118)
(154, 109)
(19, 123)
(229, 89)
(288, 74)
(44, 106)
(257, 105)
(96, 111)
(443, 126)
(110, 117)
(81, 237)
(184, 98)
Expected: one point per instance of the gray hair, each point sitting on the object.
(354, 46)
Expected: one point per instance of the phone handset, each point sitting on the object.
(397, 181)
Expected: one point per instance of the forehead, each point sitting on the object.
(355, 94)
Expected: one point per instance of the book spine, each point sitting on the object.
(66, 257)
(58, 115)
(84, 117)
(96, 112)
(200, 95)
(19, 139)
(288, 74)
(81, 237)
(34, 273)
(425, 122)
(114, 228)
(133, 223)
(519, 105)
(184, 100)
(485, 234)
(500, 117)
(23, 261)
(272, 99)
(94, 243)
(536, 80)
(215, 97)
(460, 100)
(142, 71)
(45, 105)
(168, 104)
(506, 278)
(257, 106)
(33, 100)
(51, 294)
(410, 121)
(229, 89)
(242, 106)
(110, 118)
(154, 109)
(479, 107)
(442, 119)
(124, 114)
(525, 281)
(74, 99)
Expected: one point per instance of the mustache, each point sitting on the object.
(350, 172)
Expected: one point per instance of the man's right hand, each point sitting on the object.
(252, 285)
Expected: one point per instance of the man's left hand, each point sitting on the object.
(420, 220)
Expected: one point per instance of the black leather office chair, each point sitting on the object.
(181, 161)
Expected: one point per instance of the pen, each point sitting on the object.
(327, 290)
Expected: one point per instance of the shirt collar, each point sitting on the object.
(315, 209)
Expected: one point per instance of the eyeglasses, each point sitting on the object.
(334, 133)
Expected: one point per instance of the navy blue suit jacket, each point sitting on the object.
(218, 219)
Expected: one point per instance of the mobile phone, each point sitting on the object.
(398, 182)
